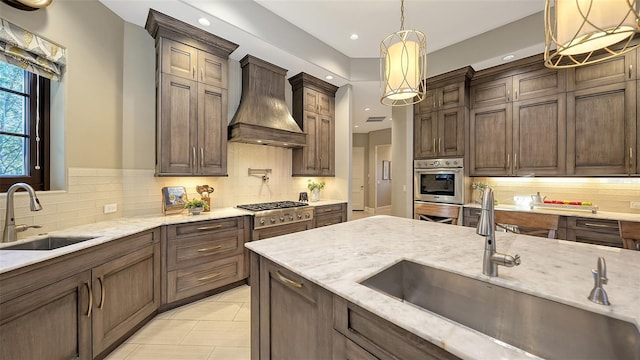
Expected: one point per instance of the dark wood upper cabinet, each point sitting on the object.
(517, 122)
(439, 119)
(191, 91)
(314, 111)
(602, 130)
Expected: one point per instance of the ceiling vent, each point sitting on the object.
(376, 118)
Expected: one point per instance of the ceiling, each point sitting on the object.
(314, 35)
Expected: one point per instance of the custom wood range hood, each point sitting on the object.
(262, 116)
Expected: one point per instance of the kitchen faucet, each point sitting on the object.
(487, 228)
(598, 295)
(10, 228)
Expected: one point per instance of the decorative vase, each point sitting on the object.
(196, 211)
(315, 194)
(208, 200)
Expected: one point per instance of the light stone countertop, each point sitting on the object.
(338, 257)
(114, 229)
(606, 215)
(103, 232)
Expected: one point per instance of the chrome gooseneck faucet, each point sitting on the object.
(10, 228)
(598, 295)
(487, 228)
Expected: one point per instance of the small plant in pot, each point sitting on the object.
(315, 188)
(196, 206)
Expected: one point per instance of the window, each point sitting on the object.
(24, 128)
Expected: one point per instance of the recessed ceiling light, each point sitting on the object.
(367, 109)
(508, 57)
(329, 77)
(204, 22)
(354, 37)
(390, 119)
(259, 141)
(355, 125)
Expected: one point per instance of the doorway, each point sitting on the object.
(357, 176)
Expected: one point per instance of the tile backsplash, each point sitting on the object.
(138, 192)
(609, 194)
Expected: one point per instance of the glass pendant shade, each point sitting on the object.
(403, 65)
(580, 29)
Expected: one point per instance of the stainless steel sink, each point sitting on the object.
(48, 243)
(539, 326)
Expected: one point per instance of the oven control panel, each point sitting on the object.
(438, 163)
(270, 218)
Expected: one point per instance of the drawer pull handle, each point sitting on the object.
(90, 298)
(212, 227)
(201, 158)
(288, 281)
(213, 248)
(213, 276)
(598, 225)
(103, 292)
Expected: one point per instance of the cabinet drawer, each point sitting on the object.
(328, 208)
(381, 338)
(329, 219)
(203, 227)
(345, 349)
(592, 237)
(594, 225)
(198, 249)
(197, 279)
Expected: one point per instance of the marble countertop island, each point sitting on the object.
(338, 257)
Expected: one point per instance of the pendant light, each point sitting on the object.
(587, 31)
(403, 64)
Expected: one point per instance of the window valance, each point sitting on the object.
(31, 52)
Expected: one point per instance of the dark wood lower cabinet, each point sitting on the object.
(136, 275)
(51, 323)
(91, 300)
(330, 214)
(295, 315)
(293, 318)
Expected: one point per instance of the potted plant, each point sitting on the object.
(196, 206)
(315, 188)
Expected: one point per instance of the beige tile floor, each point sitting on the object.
(214, 328)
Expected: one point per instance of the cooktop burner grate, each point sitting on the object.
(272, 205)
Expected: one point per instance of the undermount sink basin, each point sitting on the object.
(539, 326)
(48, 243)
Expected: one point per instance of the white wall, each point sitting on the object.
(402, 155)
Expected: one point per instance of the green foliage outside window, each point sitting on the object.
(13, 121)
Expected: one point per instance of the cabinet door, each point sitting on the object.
(491, 92)
(296, 316)
(539, 136)
(613, 71)
(212, 130)
(212, 69)
(308, 154)
(53, 322)
(601, 130)
(538, 83)
(490, 140)
(311, 100)
(451, 131)
(425, 135)
(136, 275)
(178, 125)
(325, 143)
(179, 59)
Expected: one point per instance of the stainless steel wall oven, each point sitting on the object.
(439, 180)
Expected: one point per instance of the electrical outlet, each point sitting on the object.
(634, 205)
(110, 208)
